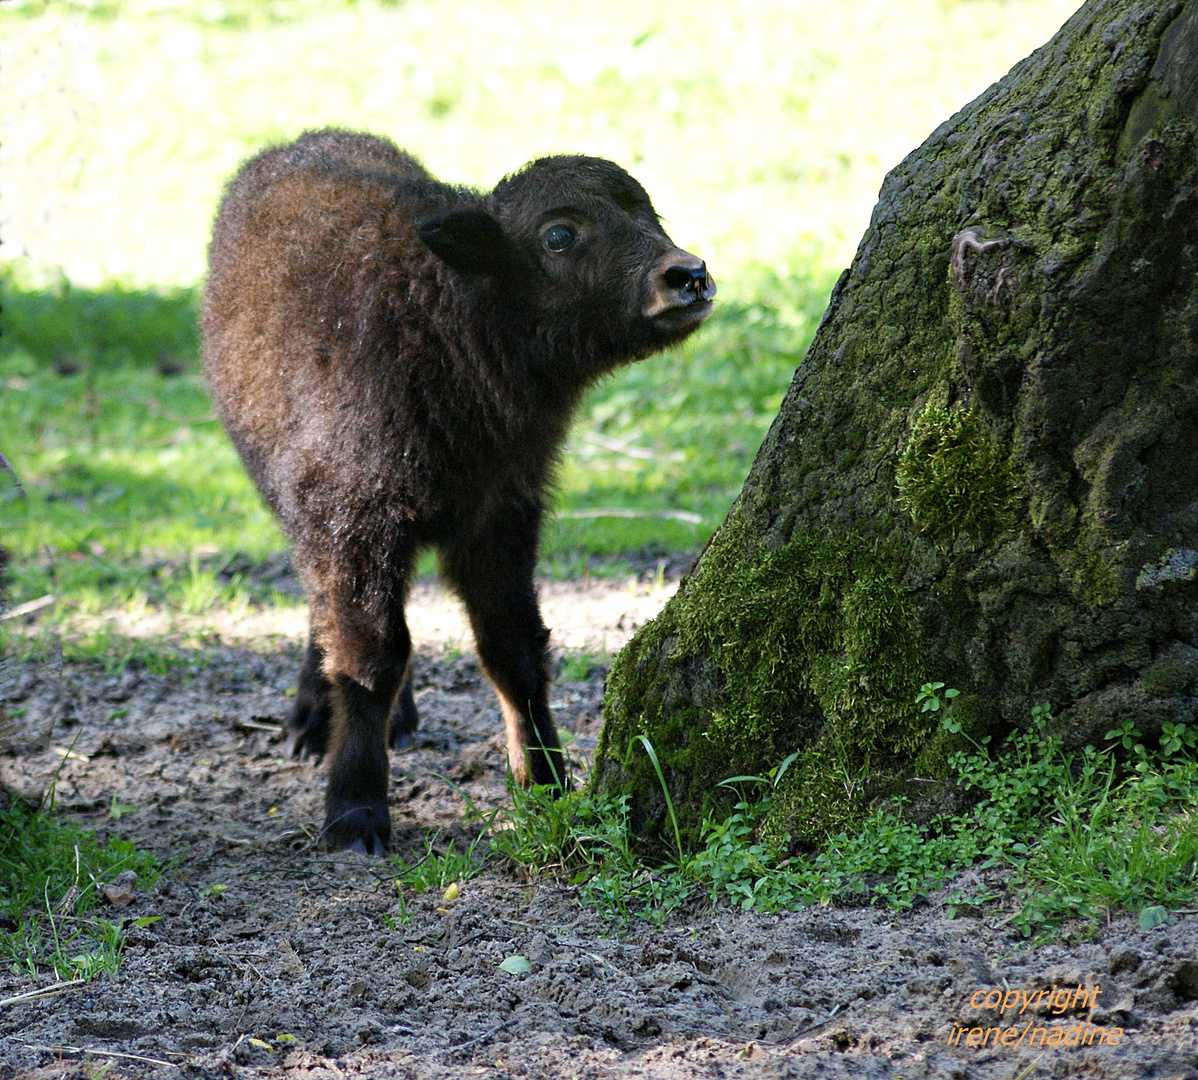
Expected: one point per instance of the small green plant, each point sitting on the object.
(930, 699)
(1168, 776)
(574, 834)
(437, 870)
(117, 809)
(1176, 737)
(665, 790)
(51, 874)
(587, 839)
(98, 1070)
(405, 916)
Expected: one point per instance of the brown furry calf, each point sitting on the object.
(396, 360)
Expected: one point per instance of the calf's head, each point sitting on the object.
(577, 252)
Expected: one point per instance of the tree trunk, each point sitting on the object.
(985, 472)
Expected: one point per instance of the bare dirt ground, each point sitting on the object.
(273, 959)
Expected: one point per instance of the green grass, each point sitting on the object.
(1074, 836)
(763, 139)
(132, 492)
(440, 869)
(761, 130)
(52, 912)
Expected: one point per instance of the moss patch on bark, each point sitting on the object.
(811, 647)
(953, 478)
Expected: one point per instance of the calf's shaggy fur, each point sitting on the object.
(396, 360)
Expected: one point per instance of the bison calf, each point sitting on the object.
(396, 360)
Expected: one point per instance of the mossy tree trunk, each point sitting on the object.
(985, 471)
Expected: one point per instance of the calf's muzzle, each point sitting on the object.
(681, 291)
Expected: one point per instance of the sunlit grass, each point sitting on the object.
(762, 130)
(133, 493)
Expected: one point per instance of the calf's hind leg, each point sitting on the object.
(308, 725)
(356, 815)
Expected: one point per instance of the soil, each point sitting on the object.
(273, 959)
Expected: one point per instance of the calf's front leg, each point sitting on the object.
(494, 578)
(356, 815)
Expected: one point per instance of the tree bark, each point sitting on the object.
(985, 472)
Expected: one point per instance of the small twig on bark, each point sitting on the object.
(968, 240)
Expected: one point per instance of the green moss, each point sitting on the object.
(953, 478)
(811, 647)
(1096, 582)
(821, 795)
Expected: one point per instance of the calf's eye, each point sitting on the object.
(558, 237)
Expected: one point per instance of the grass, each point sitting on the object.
(763, 140)
(443, 871)
(1073, 837)
(52, 911)
(133, 494)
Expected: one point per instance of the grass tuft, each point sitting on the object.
(52, 913)
(1070, 837)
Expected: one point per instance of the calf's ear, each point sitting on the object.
(469, 240)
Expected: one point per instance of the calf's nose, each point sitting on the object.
(689, 275)
(693, 278)
(679, 282)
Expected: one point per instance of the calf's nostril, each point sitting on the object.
(693, 278)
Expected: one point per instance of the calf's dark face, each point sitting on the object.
(577, 250)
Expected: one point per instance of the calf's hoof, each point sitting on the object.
(357, 825)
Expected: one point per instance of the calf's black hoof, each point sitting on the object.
(355, 825)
